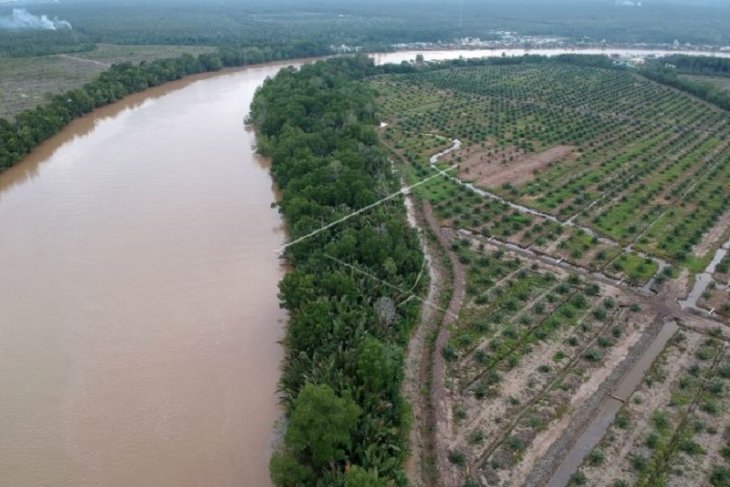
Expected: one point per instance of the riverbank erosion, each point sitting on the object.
(349, 293)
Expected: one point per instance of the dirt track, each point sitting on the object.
(442, 415)
(418, 362)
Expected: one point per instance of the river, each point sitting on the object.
(140, 321)
(138, 342)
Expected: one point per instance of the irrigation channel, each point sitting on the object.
(607, 412)
(703, 280)
(140, 320)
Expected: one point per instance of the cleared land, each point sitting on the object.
(575, 191)
(26, 82)
(649, 170)
(673, 430)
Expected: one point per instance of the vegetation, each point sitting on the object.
(674, 435)
(637, 164)
(647, 167)
(259, 23)
(27, 82)
(706, 91)
(347, 330)
(29, 128)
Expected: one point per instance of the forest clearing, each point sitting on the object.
(581, 196)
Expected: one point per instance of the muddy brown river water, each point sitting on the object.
(139, 326)
(138, 312)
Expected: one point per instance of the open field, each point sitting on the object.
(26, 82)
(562, 292)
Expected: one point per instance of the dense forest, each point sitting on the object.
(375, 24)
(698, 64)
(348, 328)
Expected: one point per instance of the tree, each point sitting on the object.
(376, 367)
(359, 477)
(286, 471)
(321, 424)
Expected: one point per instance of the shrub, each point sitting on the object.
(720, 477)
(691, 447)
(515, 444)
(638, 462)
(457, 457)
(596, 457)
(448, 353)
(652, 441)
(709, 406)
(593, 355)
(622, 421)
(578, 478)
(476, 436)
(660, 420)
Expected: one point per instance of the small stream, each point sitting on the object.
(703, 280)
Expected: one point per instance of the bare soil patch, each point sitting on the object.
(716, 300)
(482, 167)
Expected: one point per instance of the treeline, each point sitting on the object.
(262, 22)
(704, 91)
(348, 326)
(585, 60)
(42, 42)
(30, 128)
(697, 64)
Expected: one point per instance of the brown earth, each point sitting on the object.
(419, 360)
(487, 171)
(443, 426)
(716, 301)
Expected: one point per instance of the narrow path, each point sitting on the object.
(84, 60)
(418, 362)
(447, 476)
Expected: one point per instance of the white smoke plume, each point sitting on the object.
(21, 19)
